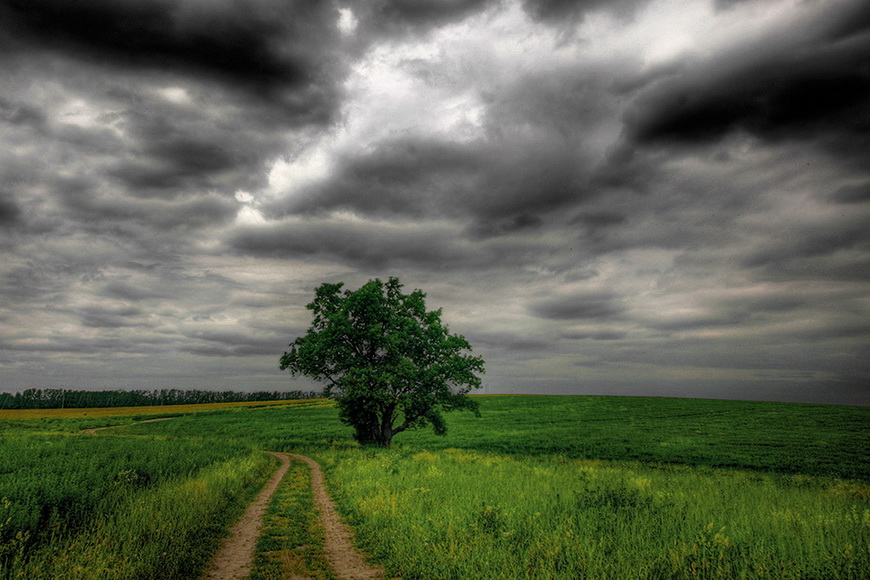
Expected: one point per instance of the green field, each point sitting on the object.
(538, 487)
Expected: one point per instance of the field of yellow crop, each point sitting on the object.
(12, 414)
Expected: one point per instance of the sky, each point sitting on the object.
(621, 197)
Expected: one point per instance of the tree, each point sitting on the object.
(389, 363)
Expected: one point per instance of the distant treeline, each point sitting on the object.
(73, 399)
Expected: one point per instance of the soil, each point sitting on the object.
(94, 431)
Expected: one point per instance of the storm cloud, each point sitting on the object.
(653, 197)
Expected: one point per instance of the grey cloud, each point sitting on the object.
(118, 169)
(82, 346)
(537, 155)
(588, 306)
(707, 320)
(518, 346)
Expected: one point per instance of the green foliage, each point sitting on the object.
(391, 364)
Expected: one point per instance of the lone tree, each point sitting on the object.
(389, 363)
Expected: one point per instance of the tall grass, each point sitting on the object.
(168, 531)
(78, 506)
(467, 515)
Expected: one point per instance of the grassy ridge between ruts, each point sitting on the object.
(539, 487)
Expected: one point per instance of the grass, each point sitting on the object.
(116, 505)
(539, 487)
(471, 515)
(783, 437)
(168, 531)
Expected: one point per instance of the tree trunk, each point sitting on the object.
(386, 429)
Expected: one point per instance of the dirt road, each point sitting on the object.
(235, 558)
(94, 430)
(341, 555)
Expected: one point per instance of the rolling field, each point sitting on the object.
(538, 487)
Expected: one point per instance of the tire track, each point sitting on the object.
(235, 558)
(346, 561)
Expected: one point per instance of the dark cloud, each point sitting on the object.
(263, 45)
(810, 243)
(402, 17)
(130, 292)
(100, 208)
(10, 213)
(596, 335)
(588, 306)
(590, 222)
(233, 344)
(810, 84)
(374, 246)
(599, 220)
(20, 113)
(502, 187)
(852, 194)
(403, 177)
(573, 10)
(519, 223)
(100, 317)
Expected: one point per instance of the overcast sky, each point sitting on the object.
(622, 197)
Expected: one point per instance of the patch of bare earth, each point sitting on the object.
(345, 560)
(94, 431)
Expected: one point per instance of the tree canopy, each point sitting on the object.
(389, 363)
